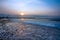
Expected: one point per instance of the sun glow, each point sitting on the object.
(22, 14)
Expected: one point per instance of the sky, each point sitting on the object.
(31, 7)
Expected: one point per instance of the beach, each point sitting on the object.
(11, 30)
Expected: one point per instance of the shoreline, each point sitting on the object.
(29, 32)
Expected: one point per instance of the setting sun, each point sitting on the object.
(22, 13)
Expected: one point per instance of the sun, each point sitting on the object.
(21, 13)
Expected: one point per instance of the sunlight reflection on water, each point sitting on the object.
(22, 19)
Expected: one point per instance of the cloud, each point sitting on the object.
(23, 3)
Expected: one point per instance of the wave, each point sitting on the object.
(45, 23)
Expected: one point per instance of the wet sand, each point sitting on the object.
(22, 31)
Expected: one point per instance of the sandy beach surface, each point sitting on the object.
(23, 31)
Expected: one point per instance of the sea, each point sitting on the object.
(30, 28)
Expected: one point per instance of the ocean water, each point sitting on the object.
(29, 29)
(43, 22)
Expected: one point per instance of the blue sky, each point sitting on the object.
(33, 6)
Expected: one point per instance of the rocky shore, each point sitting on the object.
(22, 31)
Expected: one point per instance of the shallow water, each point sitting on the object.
(28, 29)
(44, 22)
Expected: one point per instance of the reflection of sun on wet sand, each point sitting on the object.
(23, 31)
